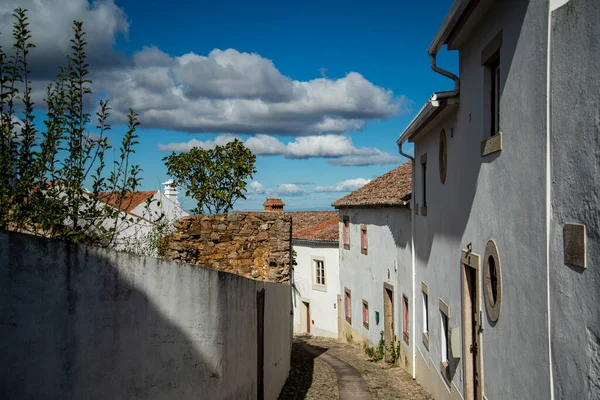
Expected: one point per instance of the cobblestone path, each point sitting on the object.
(312, 377)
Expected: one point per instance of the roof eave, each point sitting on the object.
(315, 242)
(401, 204)
(436, 104)
(450, 22)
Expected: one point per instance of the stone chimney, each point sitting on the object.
(273, 205)
(171, 191)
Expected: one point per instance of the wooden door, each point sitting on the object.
(471, 329)
(388, 319)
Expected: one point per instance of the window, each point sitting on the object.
(365, 313)
(490, 60)
(443, 154)
(445, 342)
(348, 305)
(346, 233)
(444, 348)
(319, 282)
(424, 184)
(492, 282)
(363, 239)
(494, 69)
(405, 313)
(425, 315)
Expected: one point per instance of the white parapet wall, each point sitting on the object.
(83, 322)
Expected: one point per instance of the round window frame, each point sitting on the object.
(443, 155)
(493, 308)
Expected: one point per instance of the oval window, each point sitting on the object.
(443, 156)
(492, 281)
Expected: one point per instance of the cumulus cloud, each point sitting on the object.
(348, 185)
(289, 189)
(232, 91)
(338, 148)
(256, 187)
(51, 27)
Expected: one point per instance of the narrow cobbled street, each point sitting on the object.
(329, 369)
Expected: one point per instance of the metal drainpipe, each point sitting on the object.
(412, 257)
(447, 74)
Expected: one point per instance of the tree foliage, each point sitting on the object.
(42, 174)
(215, 178)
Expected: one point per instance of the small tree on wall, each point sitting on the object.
(215, 178)
(42, 174)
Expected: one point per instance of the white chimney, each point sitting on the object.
(171, 191)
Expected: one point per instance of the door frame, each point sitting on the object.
(471, 260)
(305, 314)
(388, 339)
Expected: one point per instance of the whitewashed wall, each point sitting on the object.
(323, 304)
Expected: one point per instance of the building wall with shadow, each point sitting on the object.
(82, 322)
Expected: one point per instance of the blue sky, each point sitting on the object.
(332, 78)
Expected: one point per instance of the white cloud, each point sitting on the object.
(338, 148)
(231, 91)
(348, 185)
(256, 187)
(289, 189)
(51, 27)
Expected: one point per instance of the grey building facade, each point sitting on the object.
(505, 208)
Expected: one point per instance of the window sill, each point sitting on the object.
(405, 337)
(445, 370)
(423, 211)
(363, 251)
(426, 340)
(366, 325)
(491, 145)
(349, 320)
(320, 288)
(346, 247)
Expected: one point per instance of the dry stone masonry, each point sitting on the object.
(256, 245)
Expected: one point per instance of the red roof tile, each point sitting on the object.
(130, 201)
(273, 202)
(390, 189)
(315, 225)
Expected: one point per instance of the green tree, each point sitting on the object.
(42, 174)
(215, 178)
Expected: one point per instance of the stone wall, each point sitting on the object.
(252, 244)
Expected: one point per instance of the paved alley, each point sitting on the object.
(328, 369)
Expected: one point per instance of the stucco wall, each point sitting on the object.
(388, 260)
(499, 197)
(81, 322)
(323, 302)
(575, 131)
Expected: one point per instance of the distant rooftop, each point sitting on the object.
(273, 202)
(389, 190)
(315, 225)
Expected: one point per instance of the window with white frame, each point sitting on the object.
(319, 282)
(444, 335)
(346, 233)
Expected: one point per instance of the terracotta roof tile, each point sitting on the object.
(315, 225)
(131, 200)
(390, 189)
(273, 202)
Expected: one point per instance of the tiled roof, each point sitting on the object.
(273, 202)
(315, 225)
(130, 201)
(390, 189)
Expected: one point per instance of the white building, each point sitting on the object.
(505, 205)
(141, 212)
(315, 278)
(375, 263)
